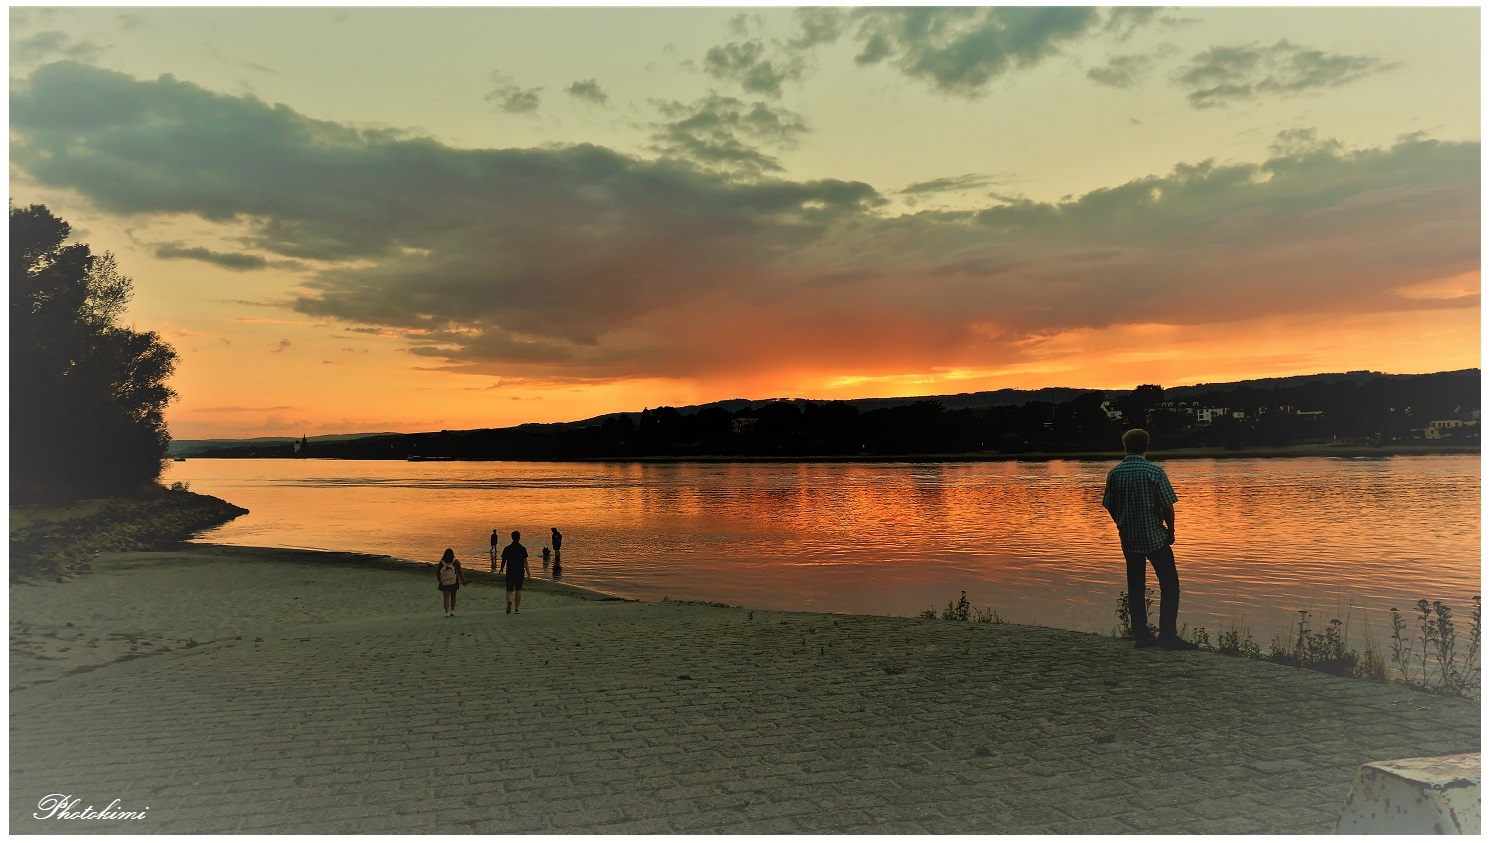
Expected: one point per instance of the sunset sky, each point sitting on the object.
(360, 219)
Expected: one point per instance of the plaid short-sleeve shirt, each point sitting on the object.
(1135, 491)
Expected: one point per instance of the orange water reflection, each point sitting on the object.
(1258, 539)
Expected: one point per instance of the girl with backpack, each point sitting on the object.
(449, 578)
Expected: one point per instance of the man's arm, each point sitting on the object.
(1169, 520)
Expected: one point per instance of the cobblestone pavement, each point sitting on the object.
(612, 717)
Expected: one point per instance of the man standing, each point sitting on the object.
(516, 562)
(493, 549)
(555, 542)
(1140, 501)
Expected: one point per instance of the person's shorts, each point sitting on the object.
(513, 583)
(451, 588)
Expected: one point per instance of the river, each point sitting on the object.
(1258, 539)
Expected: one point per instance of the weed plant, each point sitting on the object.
(1434, 660)
(962, 611)
(1123, 611)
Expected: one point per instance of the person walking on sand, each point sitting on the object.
(516, 562)
(493, 549)
(555, 543)
(1140, 501)
(449, 578)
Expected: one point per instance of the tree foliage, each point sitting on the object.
(87, 395)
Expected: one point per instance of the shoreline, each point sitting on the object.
(52, 540)
(124, 624)
(373, 561)
(1346, 451)
(124, 606)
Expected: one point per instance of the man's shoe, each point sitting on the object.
(1144, 641)
(1173, 642)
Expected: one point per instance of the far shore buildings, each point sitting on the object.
(1192, 415)
(1443, 428)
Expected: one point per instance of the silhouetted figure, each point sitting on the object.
(1140, 500)
(449, 578)
(493, 550)
(545, 557)
(514, 565)
(555, 543)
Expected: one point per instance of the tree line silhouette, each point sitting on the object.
(1374, 410)
(87, 395)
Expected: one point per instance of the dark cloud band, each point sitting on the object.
(580, 262)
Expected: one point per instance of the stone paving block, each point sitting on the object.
(1095, 825)
(1226, 825)
(775, 825)
(655, 825)
(714, 821)
(796, 714)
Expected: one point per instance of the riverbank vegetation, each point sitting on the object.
(87, 403)
(87, 395)
(1427, 652)
(962, 611)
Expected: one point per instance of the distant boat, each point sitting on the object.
(179, 459)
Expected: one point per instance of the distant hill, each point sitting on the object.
(1005, 397)
(198, 447)
(955, 401)
(1356, 378)
(996, 398)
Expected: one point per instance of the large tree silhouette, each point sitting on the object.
(87, 395)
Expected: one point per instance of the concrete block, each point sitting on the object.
(1414, 796)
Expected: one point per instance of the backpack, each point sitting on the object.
(448, 573)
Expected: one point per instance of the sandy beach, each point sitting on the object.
(144, 603)
(219, 689)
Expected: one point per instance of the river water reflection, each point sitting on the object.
(1258, 539)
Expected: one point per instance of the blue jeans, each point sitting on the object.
(1167, 582)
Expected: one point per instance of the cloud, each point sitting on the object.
(237, 261)
(173, 332)
(743, 62)
(1125, 21)
(819, 25)
(1222, 75)
(280, 408)
(741, 24)
(949, 184)
(588, 90)
(1122, 71)
(962, 50)
(281, 346)
(258, 321)
(510, 97)
(582, 264)
(52, 44)
(726, 134)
